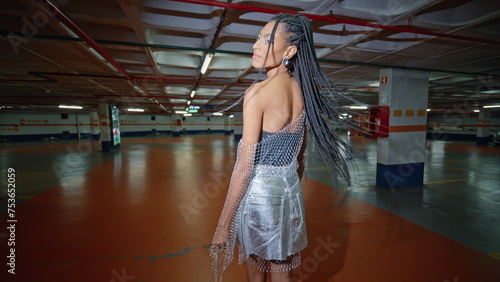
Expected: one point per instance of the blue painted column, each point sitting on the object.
(483, 127)
(105, 127)
(401, 156)
(238, 126)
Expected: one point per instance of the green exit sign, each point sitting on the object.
(192, 110)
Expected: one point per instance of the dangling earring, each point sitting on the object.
(285, 62)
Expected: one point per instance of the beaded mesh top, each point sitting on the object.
(285, 148)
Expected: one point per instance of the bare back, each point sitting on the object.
(270, 105)
(283, 102)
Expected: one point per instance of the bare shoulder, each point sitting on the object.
(255, 94)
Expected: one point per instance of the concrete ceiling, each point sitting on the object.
(148, 54)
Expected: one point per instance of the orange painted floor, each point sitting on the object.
(147, 212)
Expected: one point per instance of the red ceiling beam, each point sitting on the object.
(45, 75)
(61, 16)
(332, 19)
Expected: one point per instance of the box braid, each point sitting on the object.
(320, 97)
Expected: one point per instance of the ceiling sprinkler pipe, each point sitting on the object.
(68, 22)
(61, 16)
(334, 20)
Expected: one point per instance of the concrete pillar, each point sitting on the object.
(401, 156)
(227, 125)
(238, 125)
(94, 126)
(105, 127)
(483, 128)
(176, 125)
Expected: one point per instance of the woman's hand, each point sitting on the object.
(221, 235)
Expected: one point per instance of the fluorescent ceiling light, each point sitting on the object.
(218, 114)
(375, 84)
(358, 107)
(476, 111)
(135, 110)
(206, 63)
(181, 112)
(490, 92)
(188, 115)
(231, 116)
(492, 106)
(70, 107)
(428, 110)
(189, 102)
(192, 93)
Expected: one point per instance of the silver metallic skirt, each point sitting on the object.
(272, 220)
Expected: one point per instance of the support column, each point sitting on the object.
(238, 126)
(94, 126)
(176, 125)
(105, 127)
(483, 128)
(227, 125)
(401, 156)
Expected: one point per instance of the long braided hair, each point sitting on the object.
(322, 100)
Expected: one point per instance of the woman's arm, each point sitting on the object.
(225, 236)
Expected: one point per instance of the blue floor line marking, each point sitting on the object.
(183, 252)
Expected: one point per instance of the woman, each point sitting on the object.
(264, 210)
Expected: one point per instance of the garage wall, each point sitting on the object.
(203, 124)
(141, 125)
(447, 126)
(32, 126)
(29, 126)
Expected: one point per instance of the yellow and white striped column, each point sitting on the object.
(401, 156)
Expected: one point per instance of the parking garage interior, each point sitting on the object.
(120, 120)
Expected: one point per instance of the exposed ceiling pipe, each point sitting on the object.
(111, 96)
(332, 19)
(160, 46)
(44, 75)
(61, 16)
